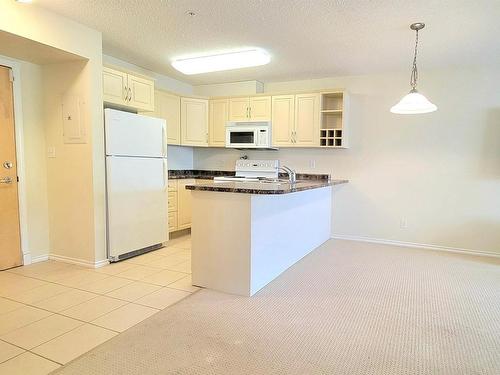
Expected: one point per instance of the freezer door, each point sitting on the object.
(128, 134)
(137, 203)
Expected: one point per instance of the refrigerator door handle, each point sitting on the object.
(165, 175)
(164, 140)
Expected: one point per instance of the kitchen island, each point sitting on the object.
(245, 234)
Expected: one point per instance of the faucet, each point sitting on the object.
(292, 176)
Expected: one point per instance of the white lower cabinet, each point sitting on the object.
(179, 204)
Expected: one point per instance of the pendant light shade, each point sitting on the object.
(414, 102)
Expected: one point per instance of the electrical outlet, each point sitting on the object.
(403, 223)
(312, 164)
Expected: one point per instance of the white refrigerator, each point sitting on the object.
(136, 183)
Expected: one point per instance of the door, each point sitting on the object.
(141, 93)
(128, 134)
(307, 120)
(194, 122)
(260, 108)
(238, 109)
(219, 115)
(114, 85)
(283, 120)
(10, 236)
(137, 203)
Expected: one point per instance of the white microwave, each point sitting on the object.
(255, 134)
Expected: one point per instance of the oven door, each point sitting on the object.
(241, 137)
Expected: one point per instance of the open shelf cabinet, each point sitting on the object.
(333, 128)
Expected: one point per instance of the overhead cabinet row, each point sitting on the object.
(316, 119)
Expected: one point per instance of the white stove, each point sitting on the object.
(253, 171)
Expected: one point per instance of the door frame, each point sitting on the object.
(21, 170)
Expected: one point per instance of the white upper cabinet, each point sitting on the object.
(260, 108)
(168, 107)
(128, 90)
(194, 122)
(307, 120)
(254, 108)
(283, 120)
(114, 85)
(219, 115)
(296, 120)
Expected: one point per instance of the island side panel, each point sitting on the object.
(220, 234)
(285, 228)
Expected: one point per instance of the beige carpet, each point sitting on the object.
(347, 308)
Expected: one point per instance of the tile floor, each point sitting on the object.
(52, 312)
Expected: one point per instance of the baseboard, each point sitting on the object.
(79, 262)
(416, 245)
(39, 258)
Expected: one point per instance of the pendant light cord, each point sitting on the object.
(414, 71)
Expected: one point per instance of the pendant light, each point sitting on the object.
(414, 102)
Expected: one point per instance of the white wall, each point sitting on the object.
(231, 88)
(440, 171)
(34, 159)
(180, 157)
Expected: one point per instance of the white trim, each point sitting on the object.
(416, 245)
(18, 127)
(80, 262)
(40, 258)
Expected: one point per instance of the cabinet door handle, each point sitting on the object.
(249, 112)
(125, 93)
(129, 94)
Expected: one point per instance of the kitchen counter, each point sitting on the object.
(241, 242)
(263, 187)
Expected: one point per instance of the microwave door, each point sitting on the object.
(241, 138)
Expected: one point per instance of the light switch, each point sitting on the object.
(51, 152)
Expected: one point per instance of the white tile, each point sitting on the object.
(163, 298)
(164, 277)
(6, 305)
(125, 317)
(105, 286)
(28, 364)
(65, 300)
(14, 284)
(115, 268)
(82, 277)
(184, 284)
(8, 351)
(94, 308)
(37, 333)
(138, 273)
(20, 318)
(133, 291)
(182, 267)
(40, 293)
(70, 345)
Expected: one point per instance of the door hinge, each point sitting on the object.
(17, 178)
(11, 75)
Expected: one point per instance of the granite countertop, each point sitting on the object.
(196, 173)
(263, 187)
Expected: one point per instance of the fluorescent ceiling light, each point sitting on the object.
(224, 61)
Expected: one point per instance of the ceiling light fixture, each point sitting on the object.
(224, 61)
(414, 102)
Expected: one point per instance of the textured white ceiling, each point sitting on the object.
(307, 38)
